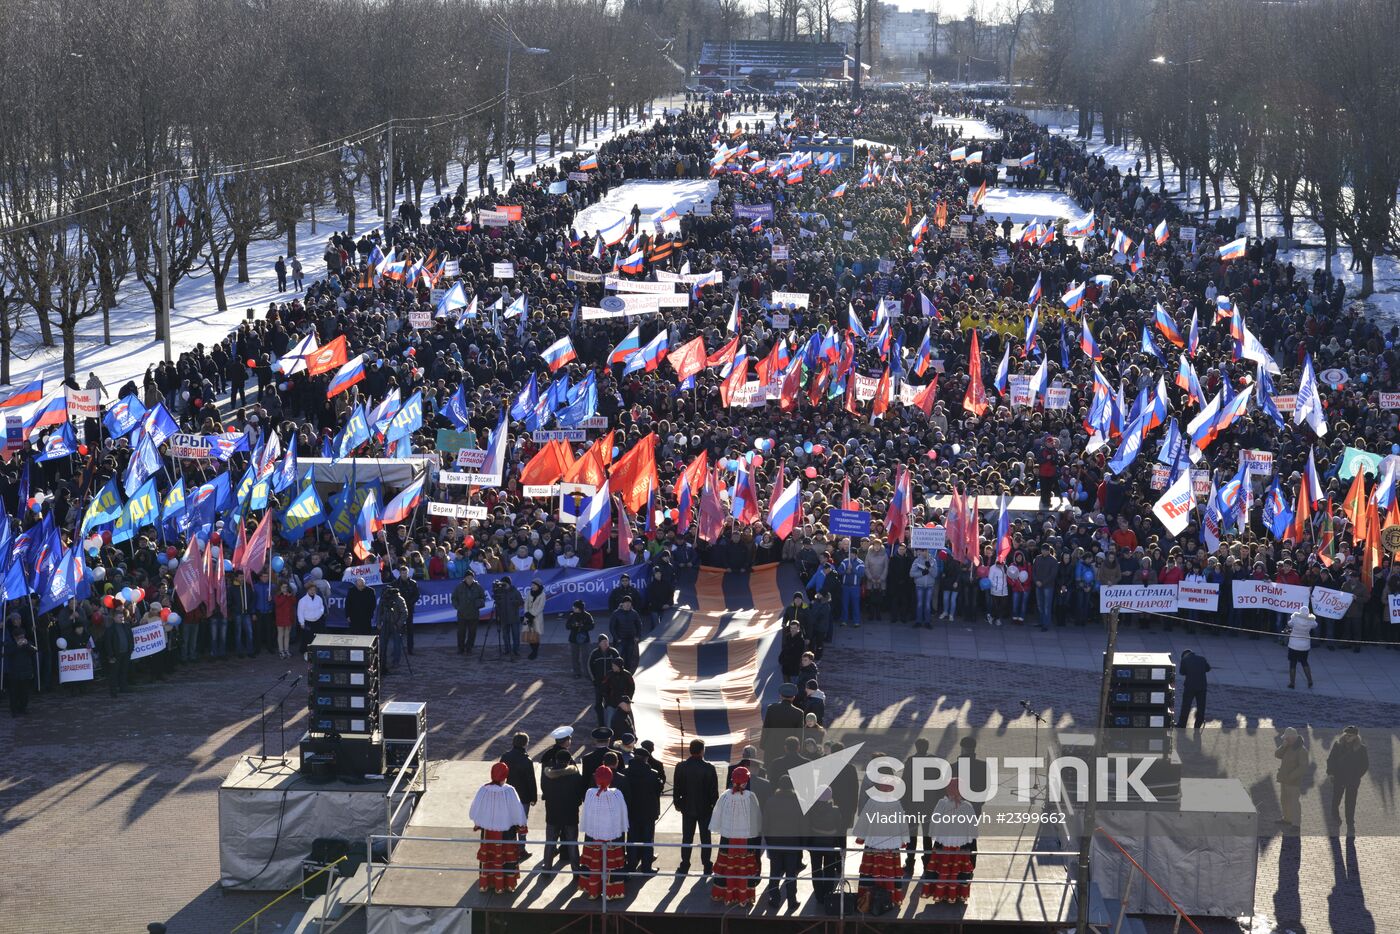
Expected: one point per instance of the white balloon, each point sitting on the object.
(62, 643)
(99, 573)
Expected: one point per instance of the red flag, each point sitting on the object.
(852, 405)
(624, 537)
(881, 403)
(694, 474)
(1302, 513)
(769, 366)
(975, 401)
(548, 465)
(725, 354)
(330, 357)
(241, 548)
(972, 531)
(592, 467)
(1354, 507)
(952, 525)
(925, 397)
(817, 386)
(733, 382)
(792, 388)
(189, 577)
(633, 477)
(711, 512)
(846, 493)
(255, 555)
(1371, 558)
(688, 359)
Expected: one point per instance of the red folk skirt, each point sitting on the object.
(882, 869)
(949, 873)
(590, 876)
(500, 861)
(735, 869)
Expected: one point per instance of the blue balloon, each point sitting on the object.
(1365, 377)
(228, 565)
(615, 450)
(807, 446)
(173, 619)
(126, 594)
(278, 563)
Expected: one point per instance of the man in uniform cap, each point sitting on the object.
(780, 721)
(563, 739)
(602, 739)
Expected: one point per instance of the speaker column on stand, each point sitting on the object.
(343, 735)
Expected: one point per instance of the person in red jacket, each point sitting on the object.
(284, 614)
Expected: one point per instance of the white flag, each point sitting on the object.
(1174, 508)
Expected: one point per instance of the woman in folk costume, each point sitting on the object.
(954, 848)
(882, 829)
(497, 812)
(604, 820)
(738, 821)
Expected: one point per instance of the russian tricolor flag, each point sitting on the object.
(366, 525)
(348, 375)
(786, 511)
(1087, 342)
(1074, 298)
(401, 507)
(559, 353)
(627, 346)
(1160, 233)
(1167, 326)
(25, 395)
(839, 191)
(1034, 297)
(589, 164)
(1234, 249)
(594, 523)
(54, 411)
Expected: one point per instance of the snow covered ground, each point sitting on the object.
(650, 197)
(1024, 206)
(968, 127)
(195, 318)
(1308, 252)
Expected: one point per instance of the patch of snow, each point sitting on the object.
(195, 317)
(650, 196)
(968, 127)
(1024, 206)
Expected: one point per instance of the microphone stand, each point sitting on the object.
(282, 717)
(261, 699)
(1036, 789)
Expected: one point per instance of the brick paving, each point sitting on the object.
(108, 806)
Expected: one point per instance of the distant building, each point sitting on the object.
(905, 37)
(767, 65)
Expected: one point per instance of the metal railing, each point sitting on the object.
(255, 918)
(1136, 867)
(418, 758)
(841, 882)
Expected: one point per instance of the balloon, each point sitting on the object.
(99, 574)
(412, 351)
(108, 601)
(83, 449)
(614, 453)
(174, 563)
(811, 473)
(469, 541)
(93, 550)
(957, 448)
(251, 363)
(675, 515)
(228, 565)
(758, 460)
(214, 538)
(278, 563)
(172, 552)
(807, 446)
(139, 594)
(164, 616)
(818, 449)
(62, 643)
(174, 619)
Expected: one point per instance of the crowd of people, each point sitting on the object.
(882, 304)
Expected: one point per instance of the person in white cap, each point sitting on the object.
(563, 741)
(496, 811)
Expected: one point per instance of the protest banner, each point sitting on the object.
(789, 299)
(369, 573)
(471, 458)
(1057, 397)
(559, 434)
(781, 322)
(852, 522)
(1329, 603)
(1198, 595)
(780, 252)
(83, 403)
(578, 275)
(190, 447)
(763, 212)
(147, 639)
(419, 318)
(579, 176)
(627, 285)
(451, 268)
(503, 270)
(1267, 595)
(923, 538)
(489, 218)
(1258, 462)
(457, 511)
(1354, 459)
(1395, 609)
(1286, 404)
(1138, 598)
(74, 665)
(454, 441)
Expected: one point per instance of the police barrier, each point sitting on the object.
(562, 587)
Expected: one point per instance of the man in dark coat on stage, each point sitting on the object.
(695, 791)
(643, 810)
(522, 777)
(780, 721)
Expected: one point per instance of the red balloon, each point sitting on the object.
(107, 537)
(811, 473)
(138, 594)
(412, 351)
(818, 449)
(469, 541)
(172, 552)
(214, 538)
(164, 615)
(251, 363)
(109, 601)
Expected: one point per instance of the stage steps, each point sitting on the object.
(1103, 914)
(341, 905)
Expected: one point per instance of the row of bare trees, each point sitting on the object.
(1296, 106)
(196, 128)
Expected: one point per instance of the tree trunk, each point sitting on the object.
(292, 237)
(1259, 218)
(350, 219)
(242, 261)
(218, 268)
(69, 349)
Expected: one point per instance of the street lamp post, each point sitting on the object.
(511, 40)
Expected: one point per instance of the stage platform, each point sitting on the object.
(442, 897)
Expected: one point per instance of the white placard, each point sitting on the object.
(1389, 400)
(147, 639)
(1138, 598)
(1260, 462)
(922, 538)
(457, 511)
(1395, 609)
(420, 319)
(369, 573)
(193, 447)
(781, 320)
(451, 268)
(1187, 233)
(1329, 603)
(74, 664)
(1286, 404)
(794, 299)
(1197, 595)
(1057, 397)
(489, 218)
(780, 252)
(503, 270)
(471, 458)
(559, 434)
(83, 403)
(625, 285)
(1266, 595)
